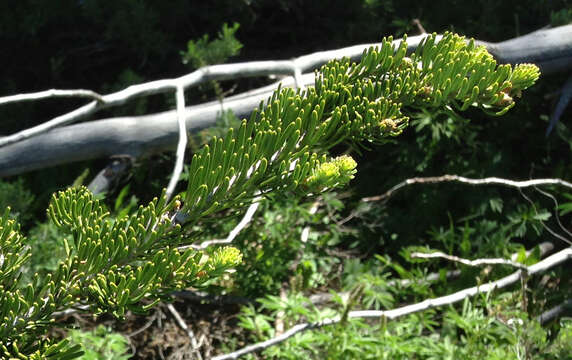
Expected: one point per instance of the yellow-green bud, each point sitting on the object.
(335, 172)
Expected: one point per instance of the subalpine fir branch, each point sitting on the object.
(114, 264)
(111, 265)
(282, 146)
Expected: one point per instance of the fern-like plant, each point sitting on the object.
(132, 262)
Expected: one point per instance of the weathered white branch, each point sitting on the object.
(182, 144)
(544, 248)
(464, 180)
(552, 56)
(539, 267)
(52, 93)
(247, 218)
(210, 73)
(478, 262)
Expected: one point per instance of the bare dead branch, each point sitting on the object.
(541, 54)
(52, 93)
(111, 174)
(182, 144)
(187, 329)
(464, 180)
(544, 248)
(478, 262)
(144, 327)
(417, 24)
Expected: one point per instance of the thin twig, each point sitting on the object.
(556, 216)
(478, 262)
(461, 179)
(299, 83)
(144, 327)
(78, 93)
(546, 227)
(182, 145)
(420, 28)
(539, 267)
(187, 329)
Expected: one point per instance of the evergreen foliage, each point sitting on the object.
(131, 262)
(284, 143)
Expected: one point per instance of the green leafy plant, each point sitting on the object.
(17, 197)
(46, 243)
(130, 262)
(561, 17)
(100, 344)
(273, 253)
(203, 52)
(566, 207)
